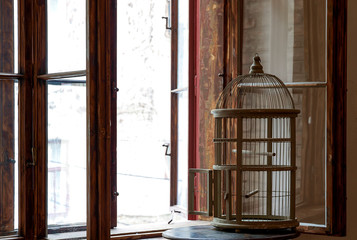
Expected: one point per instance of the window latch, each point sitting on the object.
(167, 23)
(166, 145)
(33, 162)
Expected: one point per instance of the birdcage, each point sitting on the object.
(252, 184)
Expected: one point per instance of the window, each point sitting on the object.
(179, 106)
(289, 36)
(66, 114)
(143, 113)
(41, 159)
(156, 174)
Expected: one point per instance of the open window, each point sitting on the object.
(217, 45)
(292, 44)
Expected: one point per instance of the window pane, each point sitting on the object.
(143, 108)
(311, 155)
(182, 53)
(8, 36)
(66, 35)
(66, 149)
(289, 36)
(8, 157)
(182, 150)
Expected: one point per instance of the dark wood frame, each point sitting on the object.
(7, 176)
(32, 116)
(193, 86)
(174, 104)
(101, 70)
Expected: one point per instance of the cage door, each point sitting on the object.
(200, 192)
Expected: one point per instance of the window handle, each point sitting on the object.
(167, 22)
(166, 145)
(116, 194)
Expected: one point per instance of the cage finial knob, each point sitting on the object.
(256, 67)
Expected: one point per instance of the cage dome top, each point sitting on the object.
(256, 90)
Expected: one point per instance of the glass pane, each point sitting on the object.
(8, 39)
(182, 53)
(143, 108)
(66, 149)
(8, 157)
(66, 35)
(289, 36)
(311, 155)
(182, 150)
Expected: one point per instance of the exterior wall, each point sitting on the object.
(211, 64)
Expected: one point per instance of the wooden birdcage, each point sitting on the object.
(252, 184)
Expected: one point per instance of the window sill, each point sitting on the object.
(132, 232)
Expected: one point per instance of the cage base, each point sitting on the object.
(248, 224)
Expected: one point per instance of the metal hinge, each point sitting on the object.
(34, 157)
(7, 160)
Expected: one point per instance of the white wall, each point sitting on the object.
(351, 128)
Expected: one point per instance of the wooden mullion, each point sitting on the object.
(100, 71)
(26, 172)
(112, 59)
(7, 174)
(193, 86)
(174, 105)
(336, 116)
(32, 120)
(40, 118)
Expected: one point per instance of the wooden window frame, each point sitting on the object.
(174, 105)
(101, 22)
(101, 75)
(7, 80)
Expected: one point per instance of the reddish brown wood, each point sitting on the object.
(26, 173)
(99, 97)
(233, 38)
(193, 95)
(6, 118)
(336, 116)
(7, 200)
(40, 118)
(174, 104)
(211, 63)
(32, 120)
